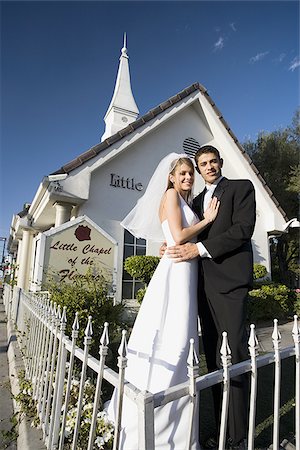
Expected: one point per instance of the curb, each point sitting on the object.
(29, 438)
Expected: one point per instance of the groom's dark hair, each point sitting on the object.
(206, 149)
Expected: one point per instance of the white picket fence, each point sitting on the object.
(47, 349)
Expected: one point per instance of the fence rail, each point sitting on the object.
(49, 356)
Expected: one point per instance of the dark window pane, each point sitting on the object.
(137, 287)
(127, 290)
(140, 251)
(142, 246)
(141, 242)
(128, 251)
(126, 276)
(128, 238)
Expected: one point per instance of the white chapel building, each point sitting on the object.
(74, 218)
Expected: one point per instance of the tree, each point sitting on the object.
(276, 155)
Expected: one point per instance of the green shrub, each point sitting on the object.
(259, 271)
(141, 267)
(271, 301)
(89, 296)
(297, 303)
(141, 294)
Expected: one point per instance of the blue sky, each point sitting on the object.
(59, 62)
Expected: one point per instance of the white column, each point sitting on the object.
(23, 272)
(63, 213)
(19, 251)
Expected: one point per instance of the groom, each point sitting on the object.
(225, 276)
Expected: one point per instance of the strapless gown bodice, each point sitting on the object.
(188, 218)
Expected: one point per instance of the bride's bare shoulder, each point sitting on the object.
(169, 198)
(171, 194)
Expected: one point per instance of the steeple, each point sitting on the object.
(122, 109)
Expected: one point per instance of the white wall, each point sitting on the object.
(108, 205)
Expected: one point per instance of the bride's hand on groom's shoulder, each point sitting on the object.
(211, 212)
(183, 252)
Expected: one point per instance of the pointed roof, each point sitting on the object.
(122, 96)
(131, 128)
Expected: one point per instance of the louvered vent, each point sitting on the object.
(190, 146)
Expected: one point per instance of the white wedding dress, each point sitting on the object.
(158, 348)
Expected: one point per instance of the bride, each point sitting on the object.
(159, 342)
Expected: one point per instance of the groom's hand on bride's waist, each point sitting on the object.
(183, 252)
(162, 249)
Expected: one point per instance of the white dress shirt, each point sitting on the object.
(210, 189)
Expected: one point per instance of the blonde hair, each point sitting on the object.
(174, 165)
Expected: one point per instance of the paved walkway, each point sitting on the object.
(6, 403)
(264, 336)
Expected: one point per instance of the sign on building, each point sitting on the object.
(73, 249)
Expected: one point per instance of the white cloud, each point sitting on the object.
(232, 26)
(294, 64)
(281, 57)
(219, 44)
(258, 57)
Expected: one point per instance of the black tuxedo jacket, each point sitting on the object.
(228, 238)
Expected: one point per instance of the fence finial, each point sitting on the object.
(105, 338)
(63, 319)
(253, 342)
(89, 330)
(225, 349)
(276, 336)
(296, 330)
(58, 313)
(225, 355)
(123, 346)
(192, 359)
(75, 326)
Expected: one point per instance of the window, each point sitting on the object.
(132, 246)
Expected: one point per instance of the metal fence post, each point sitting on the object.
(59, 384)
(276, 337)
(103, 350)
(226, 363)
(253, 350)
(145, 405)
(122, 363)
(193, 373)
(52, 317)
(87, 342)
(31, 343)
(296, 338)
(39, 346)
(42, 377)
(52, 371)
(75, 328)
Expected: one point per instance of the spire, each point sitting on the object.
(122, 109)
(124, 45)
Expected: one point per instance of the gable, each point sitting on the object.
(210, 128)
